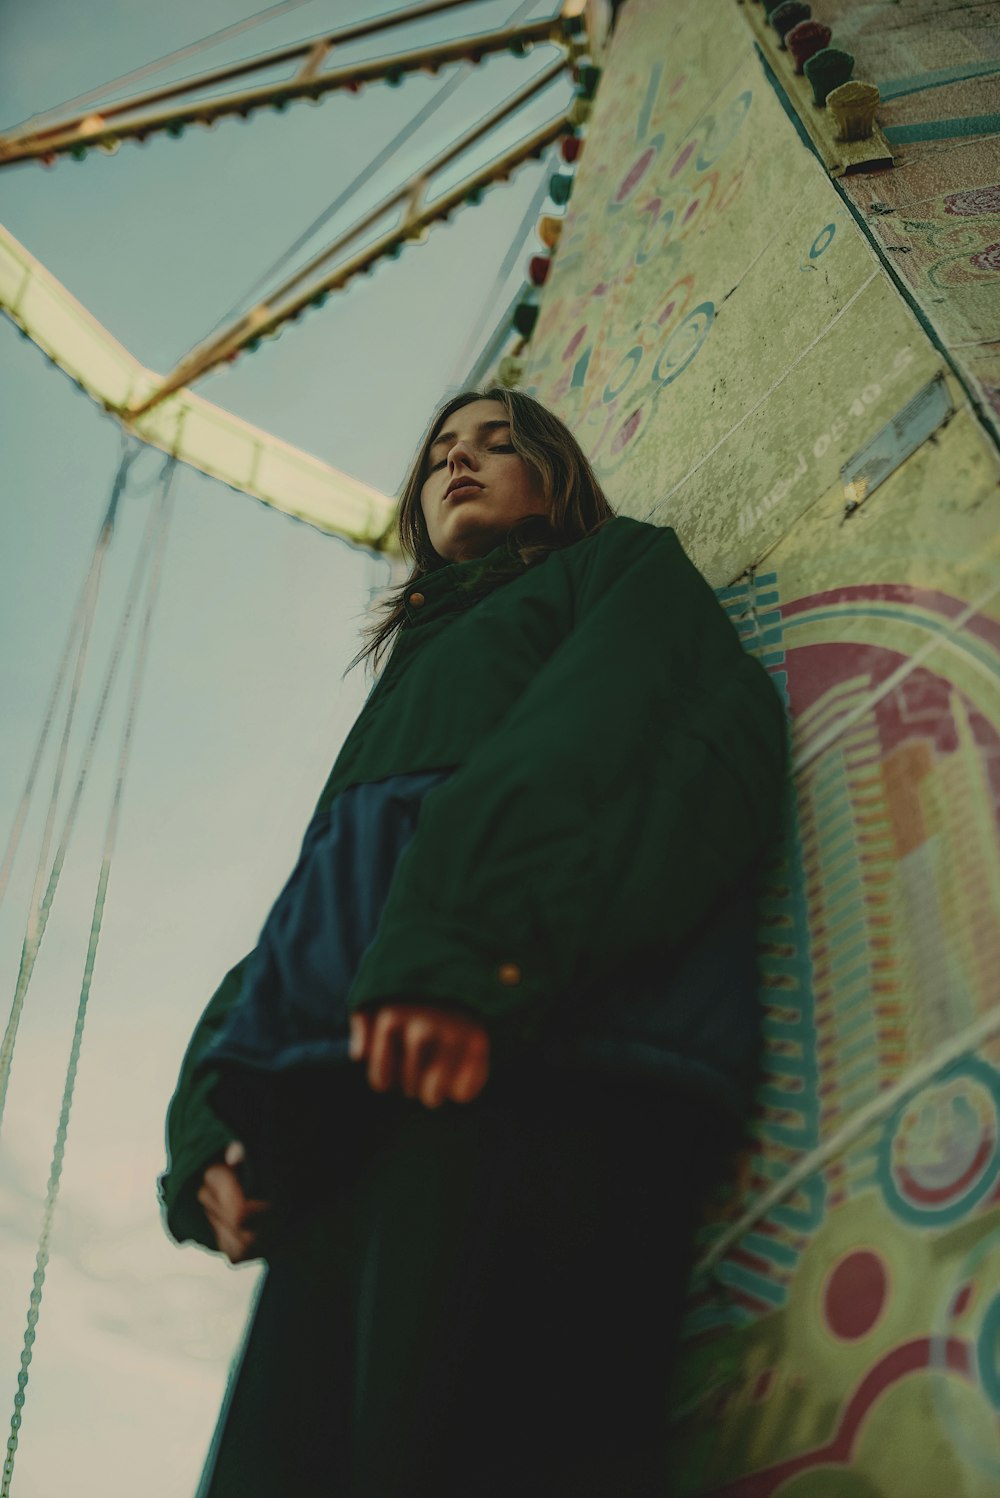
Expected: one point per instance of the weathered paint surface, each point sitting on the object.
(937, 213)
(856, 1316)
(723, 337)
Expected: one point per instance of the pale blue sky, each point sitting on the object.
(243, 709)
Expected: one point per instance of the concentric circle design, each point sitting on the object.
(988, 1352)
(622, 373)
(823, 241)
(938, 1155)
(969, 1316)
(719, 131)
(683, 344)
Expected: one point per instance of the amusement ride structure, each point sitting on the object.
(163, 411)
(767, 304)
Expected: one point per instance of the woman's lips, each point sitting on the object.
(469, 488)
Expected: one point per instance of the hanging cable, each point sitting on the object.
(156, 536)
(516, 246)
(38, 915)
(303, 52)
(311, 284)
(342, 198)
(362, 178)
(79, 635)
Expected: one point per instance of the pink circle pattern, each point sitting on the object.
(855, 1294)
(988, 258)
(977, 200)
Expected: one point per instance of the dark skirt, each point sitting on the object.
(487, 1306)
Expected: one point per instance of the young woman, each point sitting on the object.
(465, 1095)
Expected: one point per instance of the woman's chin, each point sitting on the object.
(468, 541)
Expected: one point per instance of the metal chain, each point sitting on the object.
(38, 914)
(155, 541)
(39, 905)
(77, 635)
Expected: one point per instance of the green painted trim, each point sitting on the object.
(898, 88)
(969, 124)
(972, 392)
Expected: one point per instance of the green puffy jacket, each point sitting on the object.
(581, 879)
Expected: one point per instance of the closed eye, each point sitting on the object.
(505, 447)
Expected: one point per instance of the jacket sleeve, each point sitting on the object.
(634, 782)
(196, 1136)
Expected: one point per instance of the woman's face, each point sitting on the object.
(475, 485)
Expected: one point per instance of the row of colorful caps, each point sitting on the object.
(827, 69)
(549, 227)
(78, 138)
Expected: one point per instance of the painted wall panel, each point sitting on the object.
(723, 331)
(937, 68)
(863, 1309)
(711, 289)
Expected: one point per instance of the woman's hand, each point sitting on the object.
(431, 1053)
(228, 1210)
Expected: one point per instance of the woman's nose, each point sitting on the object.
(460, 456)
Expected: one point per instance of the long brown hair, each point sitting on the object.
(575, 503)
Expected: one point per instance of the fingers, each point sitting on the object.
(432, 1082)
(361, 1034)
(432, 1054)
(435, 1084)
(236, 1246)
(384, 1051)
(472, 1072)
(422, 1042)
(458, 1071)
(404, 1040)
(221, 1190)
(231, 1239)
(230, 1213)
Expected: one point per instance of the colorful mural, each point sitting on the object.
(726, 332)
(715, 324)
(936, 215)
(867, 1304)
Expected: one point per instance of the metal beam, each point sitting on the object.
(266, 320)
(133, 119)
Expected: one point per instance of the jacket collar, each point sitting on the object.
(457, 585)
